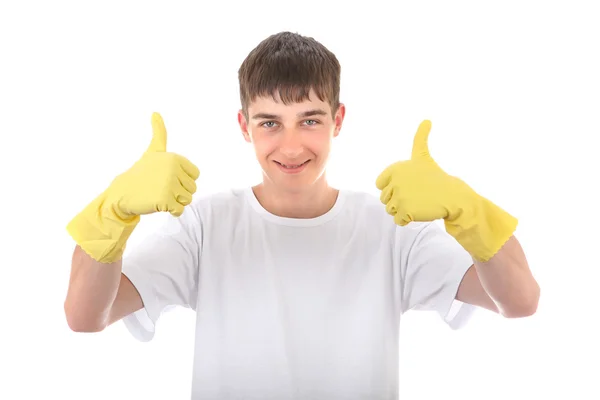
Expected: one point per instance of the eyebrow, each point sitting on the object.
(303, 114)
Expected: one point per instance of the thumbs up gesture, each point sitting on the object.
(158, 181)
(420, 190)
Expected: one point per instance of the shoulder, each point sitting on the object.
(364, 203)
(218, 207)
(367, 208)
(206, 209)
(218, 201)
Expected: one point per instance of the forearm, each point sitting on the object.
(93, 287)
(507, 279)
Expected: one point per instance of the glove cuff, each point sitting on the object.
(483, 230)
(100, 232)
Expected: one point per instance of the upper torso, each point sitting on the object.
(299, 308)
(306, 308)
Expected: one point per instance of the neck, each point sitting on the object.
(309, 203)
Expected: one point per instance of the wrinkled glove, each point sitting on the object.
(158, 181)
(419, 190)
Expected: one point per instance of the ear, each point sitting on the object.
(244, 126)
(339, 119)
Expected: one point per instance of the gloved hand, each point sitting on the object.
(158, 181)
(419, 190)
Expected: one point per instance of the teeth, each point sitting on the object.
(292, 166)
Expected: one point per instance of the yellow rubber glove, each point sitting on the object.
(158, 181)
(419, 190)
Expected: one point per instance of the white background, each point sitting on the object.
(512, 89)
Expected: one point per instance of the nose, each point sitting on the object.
(291, 144)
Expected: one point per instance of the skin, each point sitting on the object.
(292, 134)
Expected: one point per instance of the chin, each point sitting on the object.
(294, 182)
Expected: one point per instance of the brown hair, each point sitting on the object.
(292, 65)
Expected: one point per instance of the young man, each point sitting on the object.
(299, 287)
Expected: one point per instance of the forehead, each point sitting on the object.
(275, 105)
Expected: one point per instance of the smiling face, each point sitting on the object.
(292, 142)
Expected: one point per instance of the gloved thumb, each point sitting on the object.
(420, 143)
(159, 134)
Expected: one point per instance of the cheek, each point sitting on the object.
(319, 144)
(263, 146)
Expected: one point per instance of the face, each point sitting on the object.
(292, 142)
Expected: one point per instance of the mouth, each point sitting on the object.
(292, 168)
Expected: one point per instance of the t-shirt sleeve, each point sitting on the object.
(163, 267)
(433, 265)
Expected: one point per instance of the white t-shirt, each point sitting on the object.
(295, 308)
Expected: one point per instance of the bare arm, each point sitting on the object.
(505, 280)
(98, 294)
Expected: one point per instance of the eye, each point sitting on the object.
(268, 124)
(311, 122)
